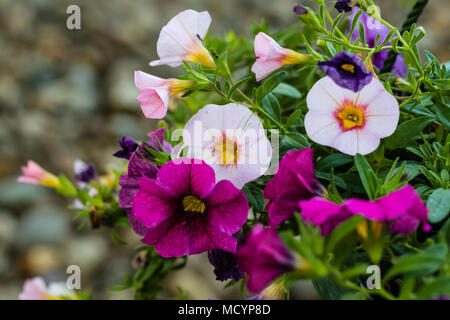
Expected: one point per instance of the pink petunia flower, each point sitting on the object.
(271, 56)
(403, 208)
(34, 174)
(181, 39)
(295, 180)
(155, 93)
(186, 212)
(264, 257)
(351, 122)
(231, 139)
(324, 214)
(36, 289)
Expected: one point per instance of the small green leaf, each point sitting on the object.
(272, 106)
(254, 196)
(367, 175)
(286, 89)
(407, 131)
(296, 140)
(439, 205)
(341, 231)
(443, 113)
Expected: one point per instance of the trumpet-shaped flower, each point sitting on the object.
(155, 93)
(271, 56)
(186, 212)
(128, 146)
(403, 208)
(351, 122)
(36, 289)
(295, 180)
(83, 172)
(181, 39)
(264, 257)
(231, 139)
(34, 174)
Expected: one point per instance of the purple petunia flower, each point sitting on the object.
(372, 28)
(225, 263)
(403, 208)
(156, 140)
(186, 212)
(84, 172)
(323, 213)
(347, 70)
(300, 10)
(264, 257)
(128, 145)
(295, 180)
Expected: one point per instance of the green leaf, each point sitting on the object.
(115, 236)
(293, 118)
(407, 131)
(272, 106)
(425, 262)
(254, 196)
(439, 286)
(296, 140)
(286, 89)
(334, 160)
(269, 85)
(237, 84)
(341, 231)
(328, 290)
(66, 189)
(367, 175)
(443, 113)
(439, 205)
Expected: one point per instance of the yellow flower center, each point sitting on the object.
(348, 67)
(193, 204)
(375, 226)
(351, 116)
(228, 152)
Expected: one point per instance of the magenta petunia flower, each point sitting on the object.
(295, 180)
(403, 208)
(264, 257)
(324, 214)
(186, 212)
(372, 28)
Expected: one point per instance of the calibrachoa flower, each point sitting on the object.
(372, 28)
(231, 139)
(295, 180)
(34, 174)
(344, 5)
(324, 214)
(271, 56)
(347, 121)
(225, 263)
(156, 140)
(155, 93)
(187, 212)
(128, 145)
(181, 39)
(403, 208)
(347, 70)
(264, 257)
(36, 289)
(300, 10)
(83, 172)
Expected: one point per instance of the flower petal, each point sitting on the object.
(327, 96)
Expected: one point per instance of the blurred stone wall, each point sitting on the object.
(70, 94)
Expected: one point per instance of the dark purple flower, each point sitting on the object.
(403, 208)
(128, 145)
(347, 70)
(343, 5)
(372, 28)
(186, 212)
(225, 263)
(138, 167)
(84, 172)
(323, 213)
(295, 180)
(264, 257)
(300, 10)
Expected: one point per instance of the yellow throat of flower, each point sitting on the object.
(375, 226)
(202, 55)
(228, 152)
(351, 116)
(51, 181)
(348, 67)
(193, 204)
(293, 57)
(177, 85)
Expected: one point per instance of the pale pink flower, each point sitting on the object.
(351, 122)
(155, 93)
(34, 174)
(231, 139)
(181, 39)
(271, 56)
(36, 289)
